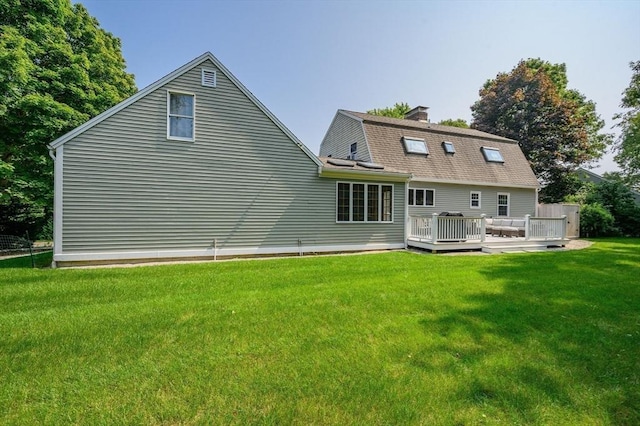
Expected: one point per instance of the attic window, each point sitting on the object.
(353, 151)
(492, 155)
(181, 116)
(415, 146)
(208, 78)
(448, 147)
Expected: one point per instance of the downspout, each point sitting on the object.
(406, 211)
(57, 157)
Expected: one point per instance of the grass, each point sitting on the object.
(392, 338)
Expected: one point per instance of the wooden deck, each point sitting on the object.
(489, 245)
(437, 233)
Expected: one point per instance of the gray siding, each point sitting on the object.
(242, 182)
(450, 197)
(343, 132)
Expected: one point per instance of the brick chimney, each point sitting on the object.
(418, 113)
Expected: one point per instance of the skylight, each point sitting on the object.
(448, 147)
(492, 154)
(415, 146)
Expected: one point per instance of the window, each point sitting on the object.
(492, 154)
(208, 78)
(181, 116)
(353, 151)
(448, 147)
(415, 146)
(364, 202)
(503, 204)
(422, 197)
(474, 200)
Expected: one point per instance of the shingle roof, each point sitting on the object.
(439, 128)
(384, 136)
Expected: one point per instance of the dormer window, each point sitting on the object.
(353, 151)
(448, 147)
(492, 155)
(415, 146)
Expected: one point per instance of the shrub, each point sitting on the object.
(596, 221)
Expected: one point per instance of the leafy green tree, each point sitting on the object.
(458, 122)
(557, 128)
(628, 144)
(397, 111)
(618, 200)
(58, 69)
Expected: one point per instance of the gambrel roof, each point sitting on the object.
(384, 139)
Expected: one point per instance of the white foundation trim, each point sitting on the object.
(210, 252)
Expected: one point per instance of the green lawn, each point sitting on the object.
(392, 338)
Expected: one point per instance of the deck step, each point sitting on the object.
(514, 248)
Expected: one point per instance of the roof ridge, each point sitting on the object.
(434, 127)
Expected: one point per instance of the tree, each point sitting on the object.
(458, 122)
(58, 69)
(397, 111)
(557, 128)
(628, 144)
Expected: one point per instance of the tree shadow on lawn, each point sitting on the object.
(562, 332)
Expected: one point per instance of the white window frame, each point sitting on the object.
(499, 205)
(366, 202)
(488, 157)
(479, 194)
(424, 197)
(409, 145)
(169, 115)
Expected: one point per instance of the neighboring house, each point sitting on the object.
(588, 176)
(452, 169)
(195, 166)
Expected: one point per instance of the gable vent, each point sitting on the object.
(208, 78)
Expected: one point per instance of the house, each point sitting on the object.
(588, 176)
(194, 166)
(466, 171)
(452, 169)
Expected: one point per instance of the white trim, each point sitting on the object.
(362, 174)
(173, 75)
(210, 252)
(203, 82)
(366, 141)
(474, 183)
(58, 182)
(508, 194)
(345, 113)
(366, 202)
(178, 138)
(479, 206)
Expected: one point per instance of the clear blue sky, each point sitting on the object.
(306, 59)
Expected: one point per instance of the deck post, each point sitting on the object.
(434, 227)
(483, 227)
(527, 224)
(564, 226)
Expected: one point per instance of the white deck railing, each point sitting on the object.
(546, 228)
(436, 228)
